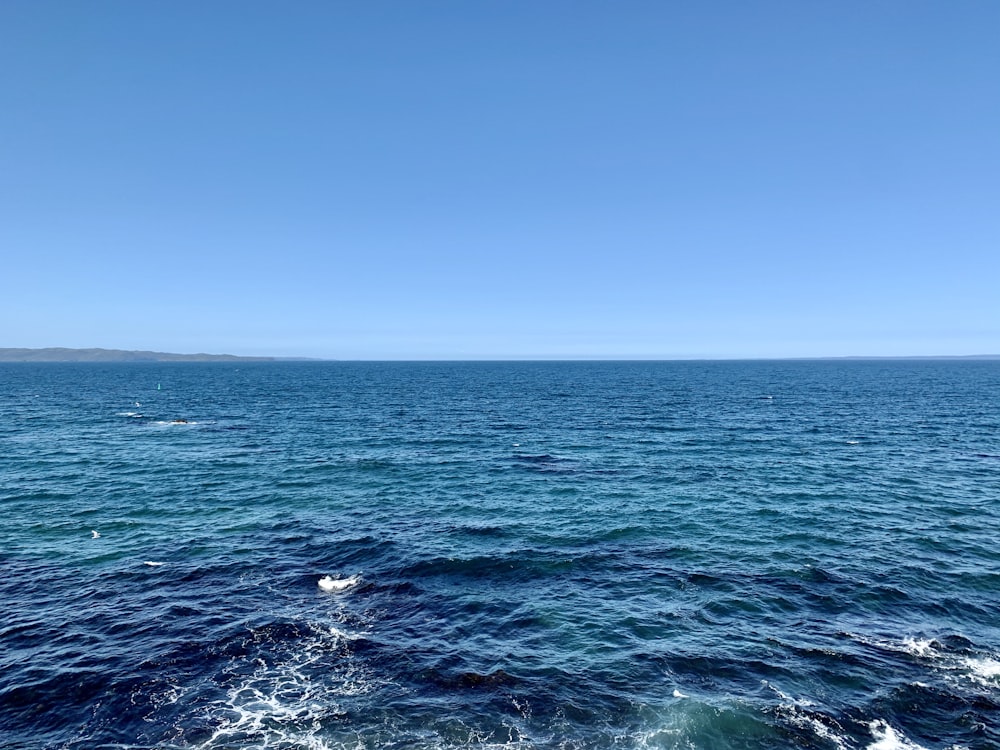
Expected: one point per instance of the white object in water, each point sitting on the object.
(152, 563)
(337, 584)
(679, 694)
(94, 535)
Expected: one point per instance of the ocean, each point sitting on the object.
(684, 555)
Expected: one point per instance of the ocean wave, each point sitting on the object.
(984, 670)
(813, 725)
(887, 738)
(291, 682)
(953, 658)
(329, 583)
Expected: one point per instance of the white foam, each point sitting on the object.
(793, 710)
(805, 721)
(327, 583)
(153, 563)
(657, 738)
(522, 706)
(679, 694)
(923, 647)
(853, 442)
(789, 699)
(983, 670)
(887, 738)
(289, 697)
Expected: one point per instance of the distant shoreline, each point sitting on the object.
(63, 354)
(60, 354)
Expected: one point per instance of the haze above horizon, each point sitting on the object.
(454, 180)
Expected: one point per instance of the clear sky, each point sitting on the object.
(501, 178)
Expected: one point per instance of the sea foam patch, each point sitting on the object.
(329, 583)
(923, 647)
(887, 738)
(804, 715)
(293, 693)
(965, 664)
(984, 670)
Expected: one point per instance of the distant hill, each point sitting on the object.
(58, 354)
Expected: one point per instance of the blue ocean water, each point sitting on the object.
(526, 555)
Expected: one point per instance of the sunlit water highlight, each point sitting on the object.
(525, 555)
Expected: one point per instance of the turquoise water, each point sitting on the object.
(526, 555)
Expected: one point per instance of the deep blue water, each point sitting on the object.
(532, 555)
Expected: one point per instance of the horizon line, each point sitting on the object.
(23, 354)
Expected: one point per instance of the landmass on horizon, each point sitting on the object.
(63, 354)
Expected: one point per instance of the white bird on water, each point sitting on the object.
(328, 583)
(94, 534)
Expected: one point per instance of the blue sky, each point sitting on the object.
(501, 179)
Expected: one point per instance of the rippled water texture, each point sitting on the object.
(531, 555)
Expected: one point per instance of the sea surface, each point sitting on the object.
(715, 555)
